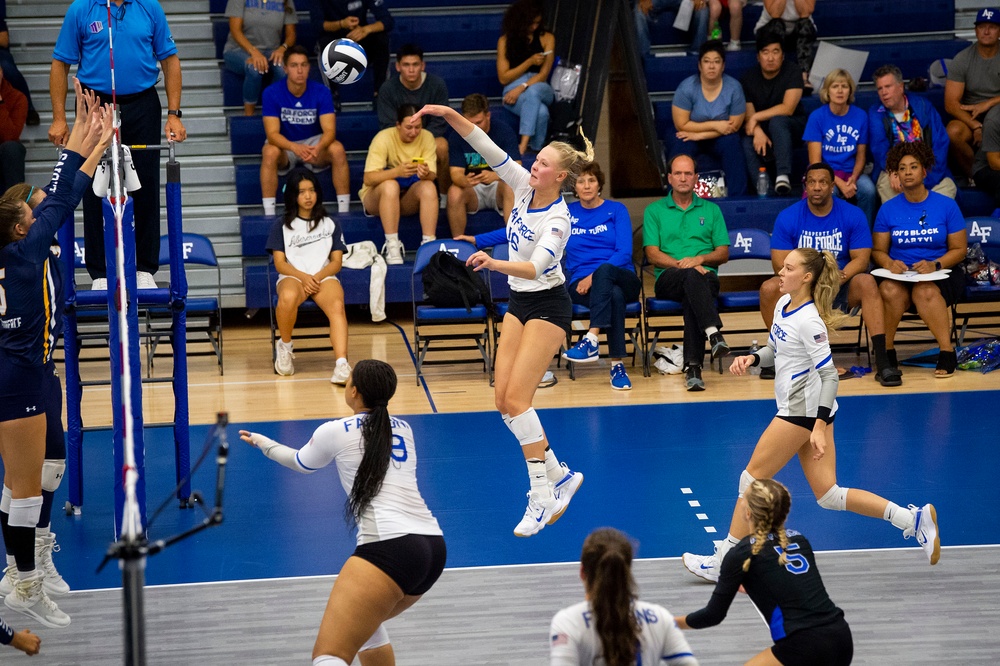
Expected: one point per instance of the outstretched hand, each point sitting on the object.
(432, 110)
(247, 437)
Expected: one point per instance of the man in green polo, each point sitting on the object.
(685, 238)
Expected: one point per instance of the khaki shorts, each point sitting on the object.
(294, 160)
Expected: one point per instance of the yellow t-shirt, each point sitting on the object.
(387, 151)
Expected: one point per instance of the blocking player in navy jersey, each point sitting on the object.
(613, 627)
(23, 640)
(30, 319)
(777, 569)
(540, 312)
(805, 388)
(401, 550)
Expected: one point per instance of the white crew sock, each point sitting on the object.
(42, 531)
(286, 345)
(427, 239)
(343, 203)
(392, 238)
(553, 470)
(538, 477)
(725, 546)
(11, 562)
(593, 338)
(898, 516)
(341, 361)
(269, 203)
(710, 331)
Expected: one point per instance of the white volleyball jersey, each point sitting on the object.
(801, 347)
(397, 509)
(531, 228)
(573, 638)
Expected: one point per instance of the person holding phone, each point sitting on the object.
(524, 61)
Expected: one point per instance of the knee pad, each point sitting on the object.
(835, 499)
(329, 660)
(52, 474)
(378, 639)
(745, 480)
(24, 512)
(526, 427)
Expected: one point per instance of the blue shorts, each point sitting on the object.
(22, 390)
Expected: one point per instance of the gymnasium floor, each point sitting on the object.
(660, 464)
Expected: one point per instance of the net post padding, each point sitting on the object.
(178, 307)
(71, 362)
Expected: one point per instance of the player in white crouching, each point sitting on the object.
(401, 550)
(806, 391)
(540, 311)
(613, 627)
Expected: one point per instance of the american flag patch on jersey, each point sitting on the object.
(560, 639)
(557, 232)
(95, 27)
(820, 338)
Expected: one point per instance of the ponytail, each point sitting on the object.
(825, 285)
(572, 160)
(607, 568)
(375, 382)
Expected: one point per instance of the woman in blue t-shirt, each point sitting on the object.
(922, 232)
(708, 111)
(837, 133)
(601, 275)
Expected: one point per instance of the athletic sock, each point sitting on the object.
(45, 517)
(343, 203)
(427, 239)
(269, 205)
(22, 542)
(392, 238)
(710, 331)
(881, 357)
(725, 546)
(327, 660)
(593, 338)
(553, 470)
(538, 478)
(898, 516)
(5, 527)
(341, 361)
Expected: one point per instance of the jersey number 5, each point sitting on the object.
(3, 293)
(797, 563)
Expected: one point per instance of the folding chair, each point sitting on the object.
(664, 320)
(633, 313)
(979, 302)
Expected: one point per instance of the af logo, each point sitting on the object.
(445, 248)
(187, 248)
(982, 232)
(745, 243)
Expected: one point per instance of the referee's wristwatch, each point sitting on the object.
(175, 112)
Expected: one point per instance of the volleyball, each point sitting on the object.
(343, 61)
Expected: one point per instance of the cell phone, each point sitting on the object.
(473, 172)
(418, 160)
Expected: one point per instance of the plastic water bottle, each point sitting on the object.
(762, 182)
(754, 369)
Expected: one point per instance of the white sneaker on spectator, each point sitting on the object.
(341, 374)
(100, 284)
(393, 251)
(283, 359)
(733, 45)
(144, 280)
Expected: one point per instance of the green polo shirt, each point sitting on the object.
(684, 233)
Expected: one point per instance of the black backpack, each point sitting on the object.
(449, 283)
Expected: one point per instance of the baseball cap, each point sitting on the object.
(988, 15)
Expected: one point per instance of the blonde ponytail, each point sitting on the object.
(825, 285)
(571, 160)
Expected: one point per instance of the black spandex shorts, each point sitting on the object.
(552, 305)
(414, 561)
(827, 645)
(22, 390)
(806, 422)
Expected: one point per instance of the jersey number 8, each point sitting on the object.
(797, 564)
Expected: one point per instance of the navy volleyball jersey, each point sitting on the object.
(790, 597)
(31, 275)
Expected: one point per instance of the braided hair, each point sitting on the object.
(769, 503)
(607, 569)
(375, 382)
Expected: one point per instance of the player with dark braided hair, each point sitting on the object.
(777, 569)
(401, 550)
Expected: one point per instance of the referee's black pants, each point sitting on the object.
(141, 124)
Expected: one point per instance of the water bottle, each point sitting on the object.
(762, 182)
(754, 369)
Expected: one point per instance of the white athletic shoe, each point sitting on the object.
(100, 284)
(393, 251)
(29, 597)
(44, 547)
(536, 516)
(283, 359)
(341, 374)
(144, 280)
(564, 491)
(925, 528)
(8, 581)
(704, 566)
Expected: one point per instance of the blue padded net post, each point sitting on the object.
(178, 303)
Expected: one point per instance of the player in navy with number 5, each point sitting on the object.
(401, 550)
(777, 569)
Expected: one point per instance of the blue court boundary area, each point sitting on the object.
(915, 448)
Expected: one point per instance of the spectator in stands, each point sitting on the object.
(821, 221)
(600, 272)
(793, 19)
(308, 249)
(901, 117)
(837, 133)
(399, 180)
(712, 127)
(301, 129)
(13, 112)
(972, 91)
(416, 87)
(333, 19)
(142, 41)
(525, 53)
(775, 117)
(685, 238)
(986, 167)
(921, 231)
(9, 67)
(255, 48)
(649, 11)
(474, 185)
(735, 9)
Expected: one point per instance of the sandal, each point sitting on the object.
(889, 376)
(946, 365)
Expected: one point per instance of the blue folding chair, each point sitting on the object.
(633, 314)
(979, 302)
(664, 320)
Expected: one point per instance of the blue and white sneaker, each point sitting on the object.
(537, 515)
(584, 351)
(564, 490)
(704, 566)
(925, 528)
(619, 378)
